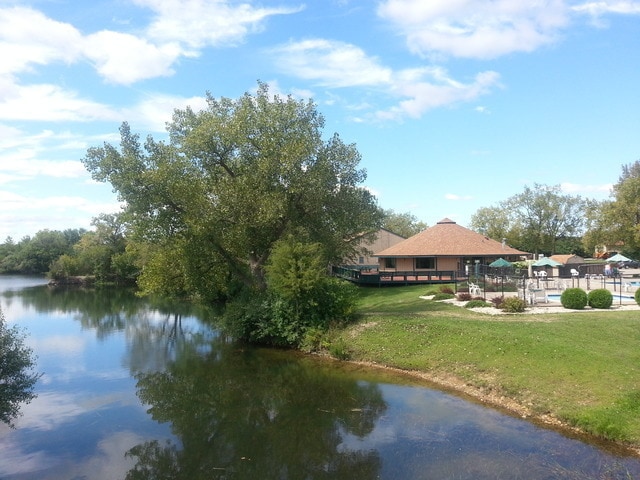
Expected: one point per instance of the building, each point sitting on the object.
(364, 256)
(446, 246)
(569, 259)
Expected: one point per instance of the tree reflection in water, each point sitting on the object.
(256, 414)
(17, 378)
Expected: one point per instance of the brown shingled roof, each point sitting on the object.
(447, 238)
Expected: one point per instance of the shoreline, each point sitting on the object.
(455, 386)
(488, 397)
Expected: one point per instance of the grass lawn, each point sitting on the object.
(582, 368)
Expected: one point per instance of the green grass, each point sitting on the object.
(583, 368)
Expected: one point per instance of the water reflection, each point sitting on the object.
(240, 414)
(145, 390)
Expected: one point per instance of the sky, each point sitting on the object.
(454, 105)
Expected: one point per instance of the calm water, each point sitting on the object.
(137, 390)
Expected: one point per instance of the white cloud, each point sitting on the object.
(456, 198)
(154, 110)
(24, 156)
(337, 64)
(22, 215)
(476, 28)
(48, 103)
(28, 37)
(601, 8)
(200, 23)
(125, 59)
(28, 167)
(178, 29)
(331, 63)
(430, 88)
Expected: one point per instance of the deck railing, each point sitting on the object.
(375, 277)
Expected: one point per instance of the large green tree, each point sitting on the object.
(618, 220)
(233, 180)
(537, 220)
(403, 224)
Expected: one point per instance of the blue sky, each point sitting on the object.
(454, 104)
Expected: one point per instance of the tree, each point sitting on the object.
(403, 224)
(36, 255)
(534, 220)
(234, 179)
(493, 222)
(100, 253)
(17, 378)
(619, 219)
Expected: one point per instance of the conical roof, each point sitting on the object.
(447, 238)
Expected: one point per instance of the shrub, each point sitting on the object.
(574, 298)
(464, 296)
(339, 349)
(637, 296)
(475, 303)
(600, 298)
(513, 305)
(446, 289)
(314, 340)
(497, 301)
(443, 296)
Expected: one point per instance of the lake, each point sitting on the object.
(139, 389)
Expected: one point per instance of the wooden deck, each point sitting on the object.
(374, 277)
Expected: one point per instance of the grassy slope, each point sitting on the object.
(582, 368)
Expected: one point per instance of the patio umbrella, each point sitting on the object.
(618, 258)
(500, 263)
(546, 262)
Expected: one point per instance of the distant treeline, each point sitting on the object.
(100, 254)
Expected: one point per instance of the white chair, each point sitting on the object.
(575, 273)
(536, 295)
(474, 289)
(543, 275)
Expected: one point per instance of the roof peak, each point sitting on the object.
(446, 220)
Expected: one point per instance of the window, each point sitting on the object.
(425, 263)
(389, 263)
(361, 260)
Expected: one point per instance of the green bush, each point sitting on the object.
(637, 296)
(600, 298)
(574, 298)
(513, 305)
(314, 340)
(339, 349)
(443, 296)
(475, 303)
